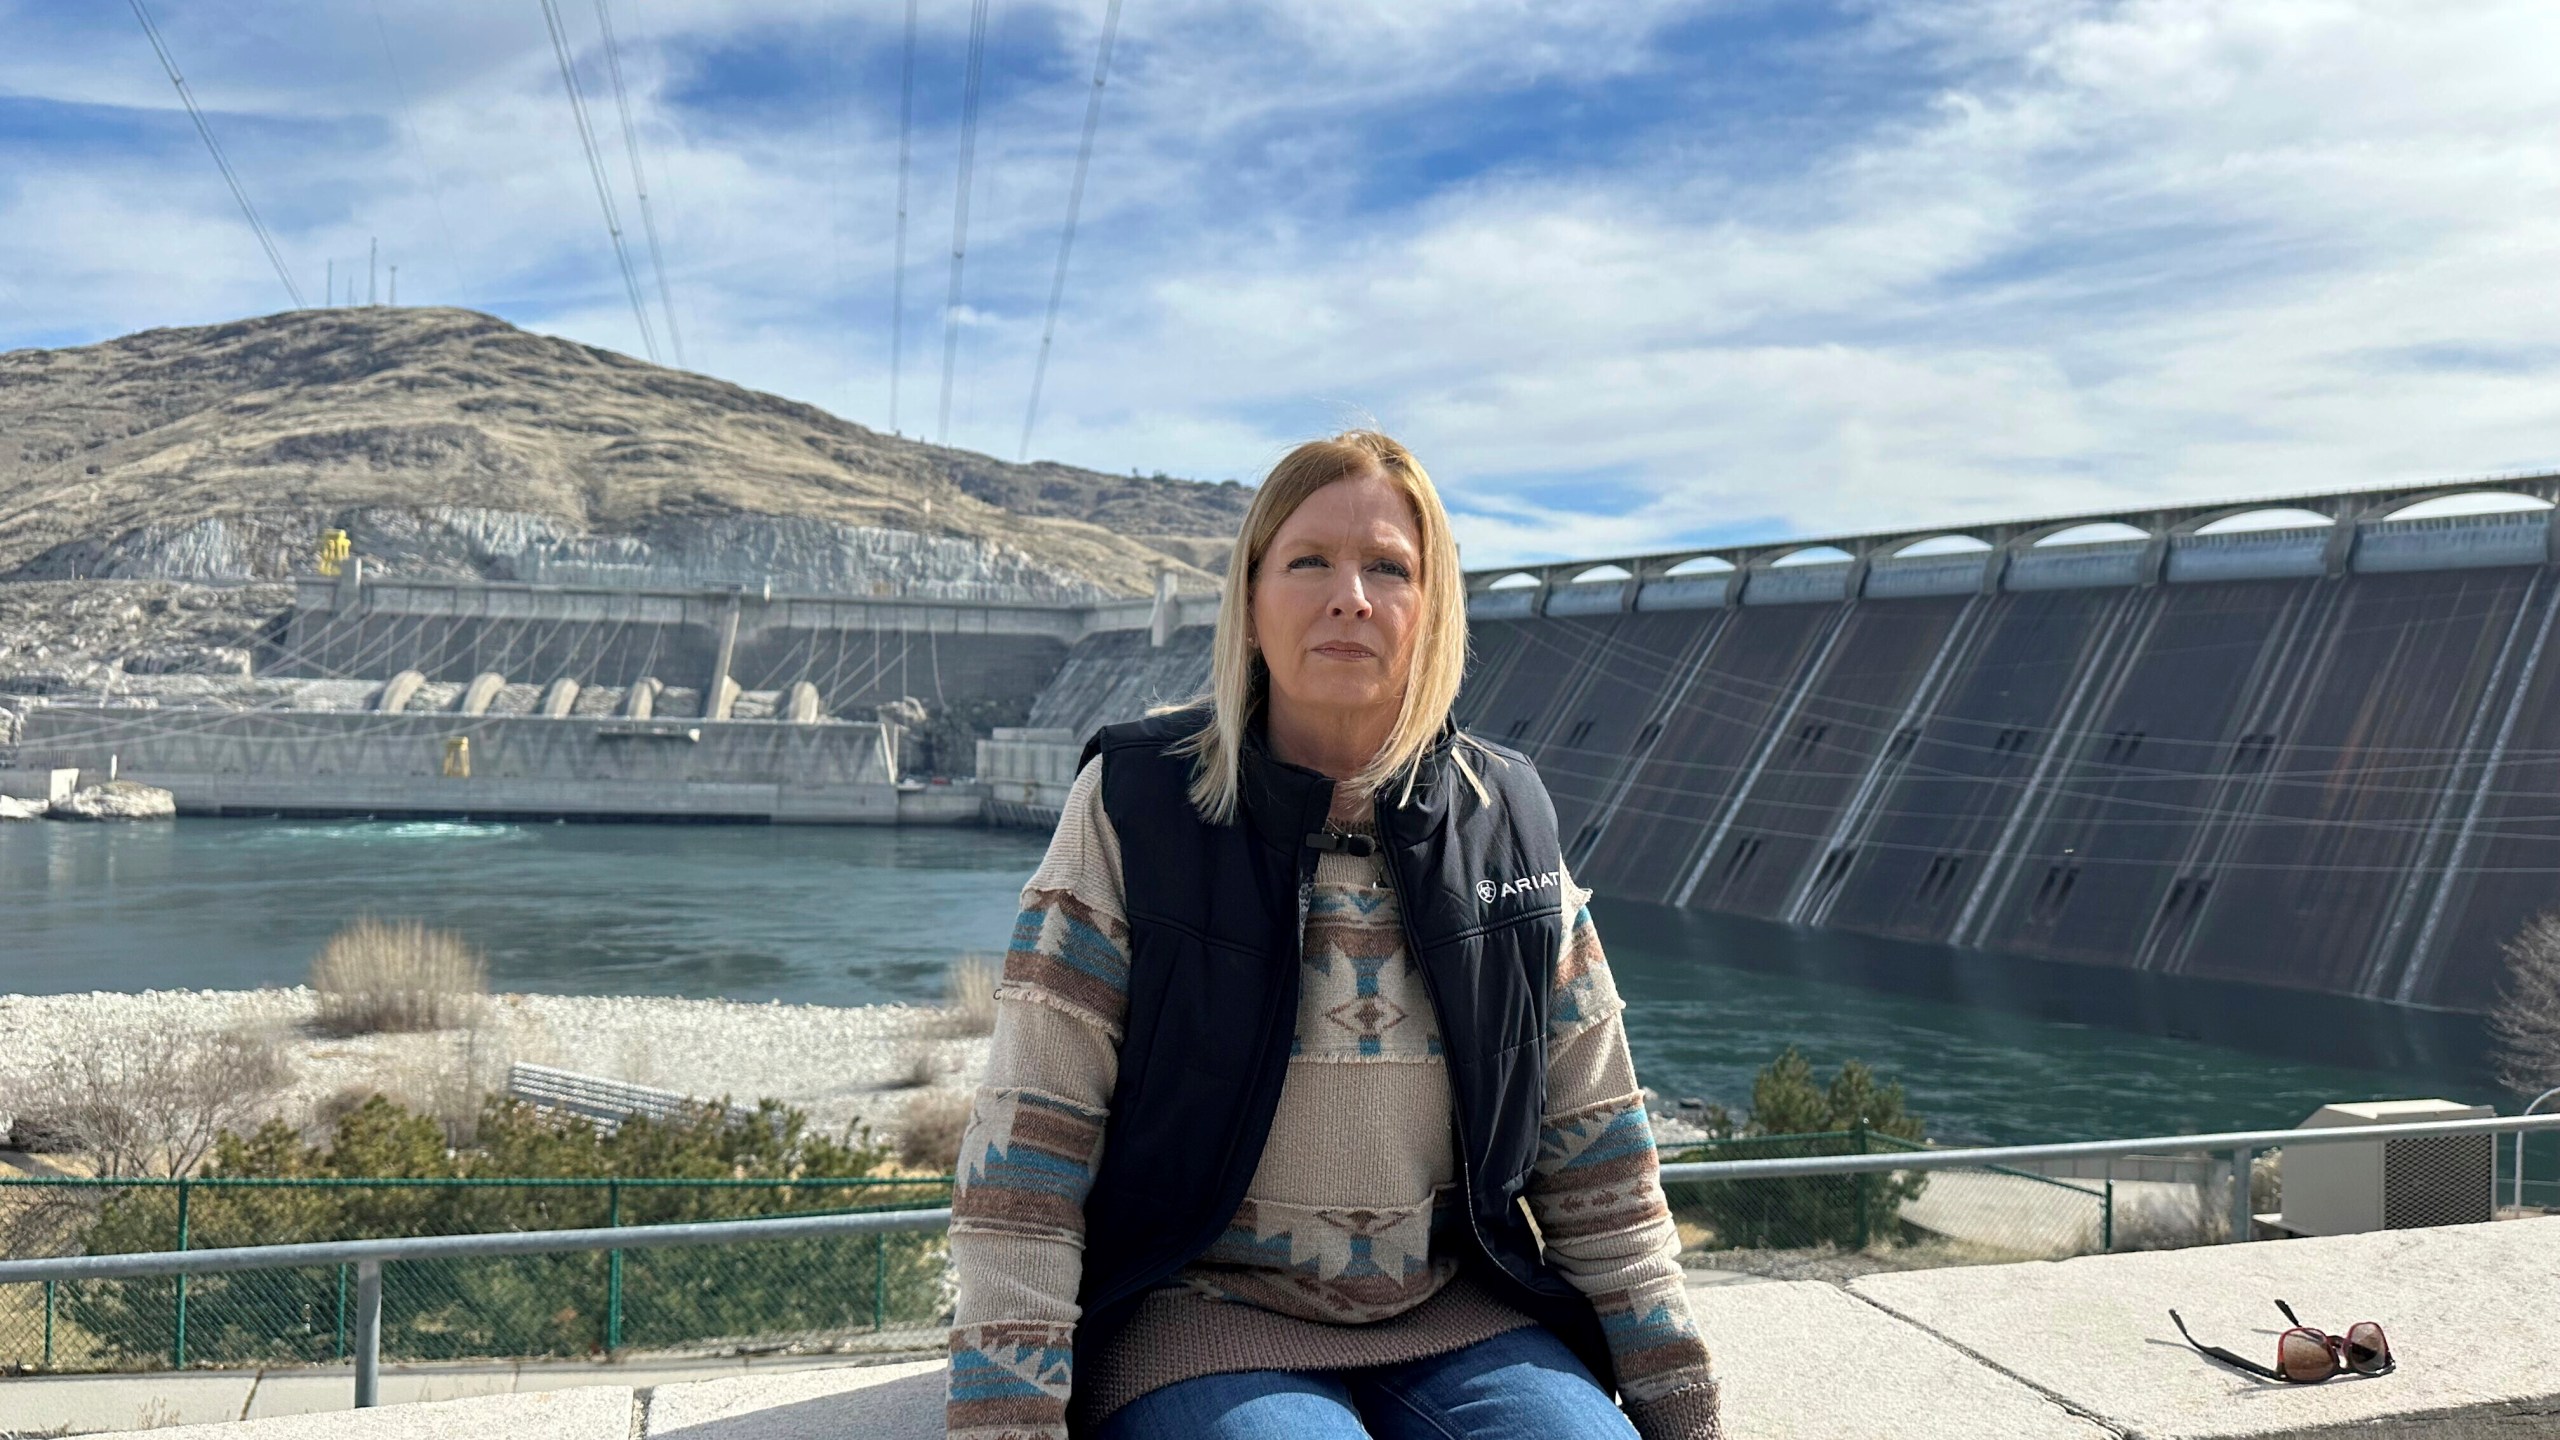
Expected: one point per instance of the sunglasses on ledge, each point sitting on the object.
(2305, 1356)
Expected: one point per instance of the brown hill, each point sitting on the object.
(281, 422)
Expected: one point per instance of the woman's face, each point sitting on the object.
(1337, 599)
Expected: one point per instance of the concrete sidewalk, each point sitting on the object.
(2077, 1349)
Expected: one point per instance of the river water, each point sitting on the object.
(1989, 1049)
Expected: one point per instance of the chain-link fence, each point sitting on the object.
(879, 1291)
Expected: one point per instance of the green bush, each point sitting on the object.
(521, 1305)
(1854, 1112)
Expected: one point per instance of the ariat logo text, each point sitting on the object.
(1489, 891)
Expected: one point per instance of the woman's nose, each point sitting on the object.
(1350, 598)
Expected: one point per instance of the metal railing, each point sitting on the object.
(2242, 1146)
(365, 1258)
(368, 1256)
(557, 1305)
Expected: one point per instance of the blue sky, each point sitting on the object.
(1627, 275)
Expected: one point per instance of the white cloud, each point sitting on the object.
(2114, 253)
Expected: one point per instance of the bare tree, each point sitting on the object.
(136, 1106)
(140, 1105)
(2526, 1021)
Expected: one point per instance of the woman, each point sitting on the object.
(1301, 1005)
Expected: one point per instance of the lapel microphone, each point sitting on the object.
(1359, 847)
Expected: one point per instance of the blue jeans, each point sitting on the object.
(1524, 1385)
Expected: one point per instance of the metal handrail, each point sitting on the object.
(368, 1257)
(2250, 1140)
(2242, 1146)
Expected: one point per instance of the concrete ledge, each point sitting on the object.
(2072, 1350)
(879, 1402)
(1806, 1360)
(596, 1413)
(2468, 1310)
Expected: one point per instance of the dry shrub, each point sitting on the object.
(397, 975)
(969, 994)
(929, 1134)
(2191, 1216)
(919, 1068)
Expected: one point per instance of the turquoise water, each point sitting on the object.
(1989, 1049)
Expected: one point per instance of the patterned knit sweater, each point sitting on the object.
(1339, 1256)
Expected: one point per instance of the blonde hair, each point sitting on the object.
(1238, 680)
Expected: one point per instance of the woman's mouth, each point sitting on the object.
(1346, 650)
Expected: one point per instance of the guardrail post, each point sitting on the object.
(2107, 1211)
(368, 1334)
(48, 1323)
(879, 1280)
(1861, 1180)
(2240, 1221)
(178, 1339)
(613, 1270)
(340, 1352)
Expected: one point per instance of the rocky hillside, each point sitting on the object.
(447, 441)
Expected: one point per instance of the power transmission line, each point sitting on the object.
(595, 167)
(898, 264)
(639, 180)
(230, 176)
(960, 211)
(1075, 203)
(417, 149)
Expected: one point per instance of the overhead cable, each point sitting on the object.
(960, 211)
(1075, 202)
(230, 176)
(417, 149)
(595, 168)
(898, 262)
(639, 178)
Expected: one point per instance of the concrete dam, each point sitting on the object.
(2322, 755)
(2318, 753)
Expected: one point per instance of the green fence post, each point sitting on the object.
(1860, 1130)
(48, 1324)
(613, 1271)
(341, 1352)
(879, 1280)
(178, 1343)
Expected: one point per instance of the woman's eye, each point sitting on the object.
(1395, 568)
(1306, 560)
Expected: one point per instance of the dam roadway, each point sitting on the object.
(2317, 754)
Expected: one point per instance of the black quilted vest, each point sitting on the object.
(1215, 920)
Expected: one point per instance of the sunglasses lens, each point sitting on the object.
(2303, 1355)
(2366, 1349)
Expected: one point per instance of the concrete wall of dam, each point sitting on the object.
(857, 653)
(229, 762)
(2250, 757)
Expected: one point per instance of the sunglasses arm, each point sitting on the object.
(2238, 1362)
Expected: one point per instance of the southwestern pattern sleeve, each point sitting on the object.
(1035, 1135)
(1597, 1196)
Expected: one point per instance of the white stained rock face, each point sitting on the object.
(12, 809)
(118, 800)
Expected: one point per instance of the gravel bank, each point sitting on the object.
(839, 1064)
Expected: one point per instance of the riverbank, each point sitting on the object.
(840, 1064)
